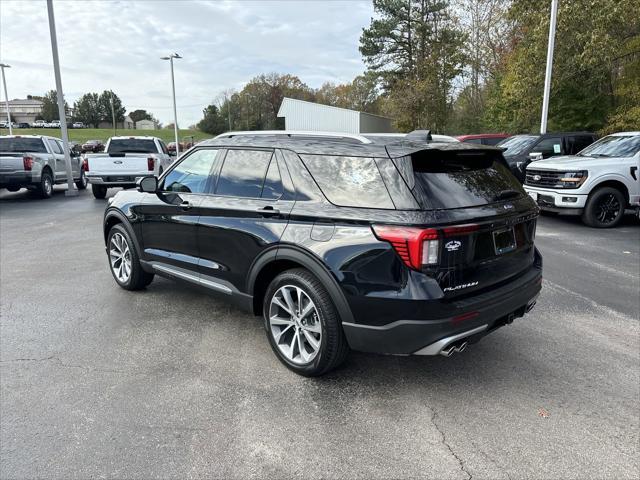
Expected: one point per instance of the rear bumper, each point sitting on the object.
(470, 318)
(114, 180)
(18, 179)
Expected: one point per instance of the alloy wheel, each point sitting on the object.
(608, 209)
(48, 186)
(120, 257)
(294, 324)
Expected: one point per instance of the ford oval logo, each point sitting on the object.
(453, 245)
(537, 178)
(507, 206)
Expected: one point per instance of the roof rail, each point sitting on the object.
(291, 133)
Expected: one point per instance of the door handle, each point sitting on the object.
(185, 205)
(268, 211)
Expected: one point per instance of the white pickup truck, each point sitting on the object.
(124, 161)
(598, 183)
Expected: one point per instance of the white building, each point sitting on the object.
(302, 115)
(22, 111)
(146, 125)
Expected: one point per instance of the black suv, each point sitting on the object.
(521, 150)
(393, 245)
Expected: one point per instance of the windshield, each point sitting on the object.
(517, 144)
(132, 145)
(18, 145)
(613, 146)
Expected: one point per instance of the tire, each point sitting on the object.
(45, 187)
(321, 324)
(13, 189)
(124, 261)
(82, 181)
(605, 208)
(99, 191)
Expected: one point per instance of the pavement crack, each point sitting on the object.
(446, 444)
(55, 359)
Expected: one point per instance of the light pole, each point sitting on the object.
(173, 90)
(71, 191)
(547, 76)
(6, 96)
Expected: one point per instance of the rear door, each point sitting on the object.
(168, 219)
(486, 220)
(58, 155)
(246, 213)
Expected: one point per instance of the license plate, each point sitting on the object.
(504, 240)
(534, 195)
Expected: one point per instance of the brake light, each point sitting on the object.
(27, 162)
(417, 247)
(85, 164)
(150, 163)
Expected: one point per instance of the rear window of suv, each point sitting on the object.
(19, 145)
(349, 181)
(457, 179)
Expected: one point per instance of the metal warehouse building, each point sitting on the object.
(301, 115)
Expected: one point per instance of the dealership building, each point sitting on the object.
(309, 116)
(22, 111)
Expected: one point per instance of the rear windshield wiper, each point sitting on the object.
(506, 194)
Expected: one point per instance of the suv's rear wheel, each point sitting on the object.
(99, 191)
(604, 208)
(124, 262)
(302, 324)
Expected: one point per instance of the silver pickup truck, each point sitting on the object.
(125, 160)
(36, 162)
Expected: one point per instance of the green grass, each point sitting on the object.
(81, 135)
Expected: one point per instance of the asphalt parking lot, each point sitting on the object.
(169, 382)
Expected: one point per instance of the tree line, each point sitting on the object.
(91, 109)
(470, 66)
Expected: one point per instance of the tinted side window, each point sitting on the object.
(243, 173)
(272, 187)
(474, 140)
(492, 141)
(163, 147)
(192, 173)
(549, 146)
(349, 181)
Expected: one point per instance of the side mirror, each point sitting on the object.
(148, 184)
(173, 153)
(535, 156)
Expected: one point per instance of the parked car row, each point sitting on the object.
(40, 124)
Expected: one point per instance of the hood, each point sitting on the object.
(570, 162)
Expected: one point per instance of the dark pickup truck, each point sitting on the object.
(521, 150)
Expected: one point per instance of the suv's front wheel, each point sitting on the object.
(302, 324)
(124, 261)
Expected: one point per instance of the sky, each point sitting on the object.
(117, 44)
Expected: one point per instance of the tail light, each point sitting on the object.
(419, 247)
(27, 162)
(150, 164)
(416, 247)
(85, 164)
